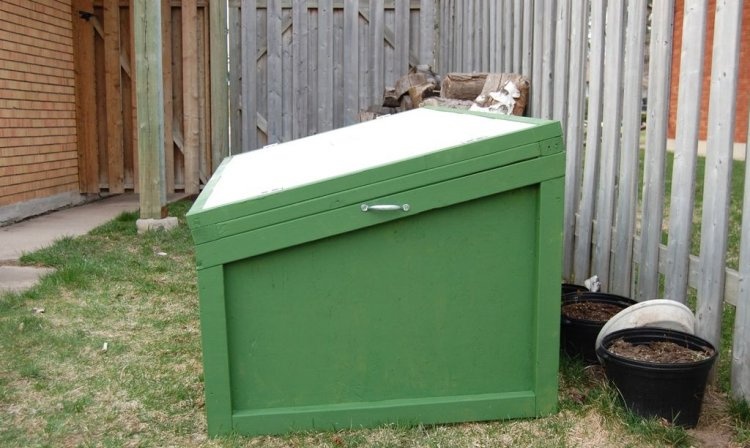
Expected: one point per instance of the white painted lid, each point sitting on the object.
(349, 150)
(661, 313)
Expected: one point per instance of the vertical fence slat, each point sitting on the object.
(115, 162)
(686, 148)
(518, 8)
(249, 77)
(537, 52)
(325, 65)
(190, 125)
(528, 32)
(300, 60)
(622, 257)
(235, 74)
(656, 141)
(741, 346)
(217, 43)
(351, 61)
(584, 234)
(509, 37)
(275, 84)
(574, 129)
(717, 180)
(402, 39)
(562, 61)
(166, 51)
(427, 32)
(610, 141)
(377, 50)
(548, 59)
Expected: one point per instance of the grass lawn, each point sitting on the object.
(114, 360)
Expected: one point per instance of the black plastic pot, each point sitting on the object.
(578, 336)
(671, 391)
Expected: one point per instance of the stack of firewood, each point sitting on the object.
(504, 93)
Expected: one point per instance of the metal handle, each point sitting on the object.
(385, 207)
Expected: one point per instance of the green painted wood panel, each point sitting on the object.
(317, 315)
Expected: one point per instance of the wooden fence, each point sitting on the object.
(107, 137)
(312, 66)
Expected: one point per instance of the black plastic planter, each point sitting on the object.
(671, 391)
(578, 336)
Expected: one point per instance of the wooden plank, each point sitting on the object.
(325, 65)
(401, 44)
(528, 32)
(377, 50)
(88, 174)
(219, 91)
(574, 131)
(351, 62)
(337, 4)
(509, 37)
(274, 72)
(584, 233)
(627, 198)
(205, 146)
(686, 149)
(537, 87)
(741, 346)
(300, 61)
(112, 82)
(338, 69)
(427, 32)
(660, 63)
(492, 34)
(518, 11)
(610, 143)
(190, 106)
(166, 52)
(132, 156)
(561, 62)
(717, 179)
(150, 103)
(235, 78)
(548, 60)
(249, 76)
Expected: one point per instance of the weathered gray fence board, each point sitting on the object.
(561, 62)
(275, 81)
(401, 44)
(300, 83)
(235, 78)
(217, 42)
(325, 65)
(377, 50)
(741, 346)
(574, 132)
(717, 179)
(686, 148)
(611, 127)
(548, 59)
(249, 88)
(584, 233)
(528, 30)
(627, 198)
(518, 8)
(537, 52)
(427, 32)
(351, 61)
(656, 140)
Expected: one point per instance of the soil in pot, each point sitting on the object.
(583, 315)
(659, 372)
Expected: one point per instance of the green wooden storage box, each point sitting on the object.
(404, 270)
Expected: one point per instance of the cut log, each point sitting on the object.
(406, 104)
(390, 99)
(404, 83)
(419, 93)
(462, 86)
(438, 101)
(504, 93)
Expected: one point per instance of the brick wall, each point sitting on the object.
(743, 83)
(38, 153)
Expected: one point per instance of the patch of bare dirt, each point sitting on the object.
(715, 428)
(658, 352)
(594, 311)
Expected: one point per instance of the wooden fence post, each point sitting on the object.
(717, 180)
(150, 104)
(741, 347)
